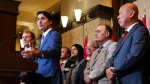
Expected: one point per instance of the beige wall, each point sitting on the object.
(65, 39)
(76, 35)
(140, 4)
(68, 6)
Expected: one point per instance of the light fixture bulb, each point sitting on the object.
(64, 20)
(78, 13)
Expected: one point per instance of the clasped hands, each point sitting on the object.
(110, 75)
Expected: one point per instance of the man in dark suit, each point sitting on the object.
(129, 61)
(48, 54)
(65, 55)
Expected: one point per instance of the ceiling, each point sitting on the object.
(35, 5)
(29, 8)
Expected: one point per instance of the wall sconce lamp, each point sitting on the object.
(64, 21)
(77, 13)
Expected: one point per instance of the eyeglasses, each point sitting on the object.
(87, 47)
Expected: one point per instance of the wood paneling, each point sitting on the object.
(8, 16)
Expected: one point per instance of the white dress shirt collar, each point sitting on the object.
(128, 29)
(45, 33)
(105, 43)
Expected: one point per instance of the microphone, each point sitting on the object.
(13, 36)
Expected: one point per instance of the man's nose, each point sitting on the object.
(23, 39)
(40, 21)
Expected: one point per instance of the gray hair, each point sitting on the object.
(95, 43)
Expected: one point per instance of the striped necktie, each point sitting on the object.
(99, 50)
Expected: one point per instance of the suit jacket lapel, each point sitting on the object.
(46, 38)
(102, 51)
(128, 35)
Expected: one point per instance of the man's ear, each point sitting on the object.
(50, 22)
(107, 34)
(132, 13)
(68, 55)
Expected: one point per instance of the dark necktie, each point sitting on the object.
(99, 50)
(124, 35)
(88, 61)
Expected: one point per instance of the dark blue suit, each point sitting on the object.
(48, 66)
(130, 57)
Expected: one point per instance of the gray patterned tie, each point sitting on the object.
(99, 50)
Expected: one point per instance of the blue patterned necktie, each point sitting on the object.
(99, 50)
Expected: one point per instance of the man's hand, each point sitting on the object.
(87, 79)
(31, 53)
(110, 75)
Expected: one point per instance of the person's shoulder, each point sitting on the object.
(83, 60)
(53, 32)
(141, 29)
(113, 45)
(139, 26)
(95, 52)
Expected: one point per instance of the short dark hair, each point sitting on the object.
(68, 50)
(109, 29)
(46, 14)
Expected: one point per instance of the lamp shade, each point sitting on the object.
(64, 20)
(77, 13)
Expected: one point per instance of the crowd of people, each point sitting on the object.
(108, 62)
